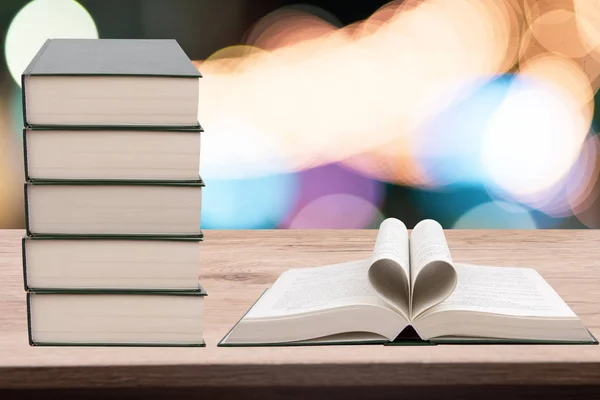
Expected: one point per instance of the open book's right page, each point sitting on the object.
(501, 303)
(504, 290)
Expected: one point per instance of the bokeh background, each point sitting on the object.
(339, 113)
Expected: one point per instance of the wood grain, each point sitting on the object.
(237, 266)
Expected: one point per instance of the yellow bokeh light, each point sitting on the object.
(360, 94)
(533, 9)
(557, 31)
(287, 26)
(588, 22)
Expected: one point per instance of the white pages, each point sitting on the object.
(408, 281)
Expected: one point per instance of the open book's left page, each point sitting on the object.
(311, 303)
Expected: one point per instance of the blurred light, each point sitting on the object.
(448, 147)
(564, 28)
(567, 195)
(290, 25)
(532, 139)
(318, 183)
(11, 175)
(336, 211)
(580, 187)
(588, 20)
(233, 149)
(16, 112)
(585, 200)
(445, 204)
(413, 95)
(534, 9)
(496, 215)
(557, 31)
(232, 58)
(566, 76)
(259, 203)
(391, 163)
(318, 90)
(40, 20)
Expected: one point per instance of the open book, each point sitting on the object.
(408, 283)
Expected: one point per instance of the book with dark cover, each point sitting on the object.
(134, 58)
(26, 241)
(197, 185)
(201, 292)
(123, 57)
(60, 155)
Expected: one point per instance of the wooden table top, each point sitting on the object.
(237, 266)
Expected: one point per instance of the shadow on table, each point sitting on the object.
(390, 392)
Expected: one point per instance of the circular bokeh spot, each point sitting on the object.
(496, 215)
(334, 179)
(337, 211)
(40, 20)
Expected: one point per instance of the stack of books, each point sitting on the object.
(112, 194)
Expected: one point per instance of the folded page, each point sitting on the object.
(433, 277)
(389, 273)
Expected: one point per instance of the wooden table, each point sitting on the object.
(236, 268)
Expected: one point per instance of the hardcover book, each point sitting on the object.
(112, 154)
(409, 292)
(114, 318)
(113, 208)
(108, 263)
(111, 82)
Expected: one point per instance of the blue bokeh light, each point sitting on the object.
(449, 145)
(496, 215)
(252, 203)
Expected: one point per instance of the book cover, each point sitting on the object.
(198, 183)
(120, 57)
(109, 57)
(199, 343)
(198, 129)
(25, 239)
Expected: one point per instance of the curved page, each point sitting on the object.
(311, 303)
(389, 272)
(433, 276)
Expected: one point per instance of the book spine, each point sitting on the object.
(24, 257)
(115, 182)
(27, 215)
(25, 155)
(199, 292)
(27, 72)
(135, 128)
(29, 327)
(195, 127)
